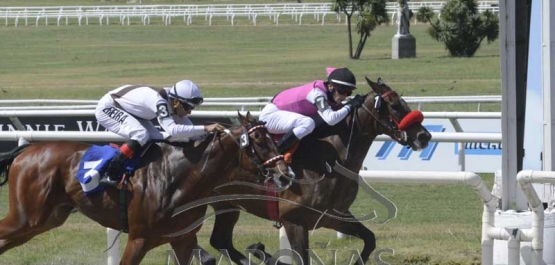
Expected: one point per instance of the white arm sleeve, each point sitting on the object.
(320, 100)
(177, 130)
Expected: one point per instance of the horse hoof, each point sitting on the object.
(257, 246)
(208, 261)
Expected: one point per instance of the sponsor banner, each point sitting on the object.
(80, 124)
(479, 157)
(389, 155)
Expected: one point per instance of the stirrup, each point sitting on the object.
(106, 180)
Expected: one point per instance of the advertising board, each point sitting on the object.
(389, 155)
(444, 156)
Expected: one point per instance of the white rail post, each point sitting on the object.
(284, 245)
(113, 252)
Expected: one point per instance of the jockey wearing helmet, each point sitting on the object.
(129, 110)
(293, 111)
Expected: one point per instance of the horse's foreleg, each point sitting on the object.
(298, 238)
(205, 257)
(222, 234)
(355, 229)
(360, 231)
(135, 251)
(18, 228)
(183, 249)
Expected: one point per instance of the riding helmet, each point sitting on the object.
(186, 92)
(344, 77)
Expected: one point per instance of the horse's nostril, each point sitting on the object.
(424, 137)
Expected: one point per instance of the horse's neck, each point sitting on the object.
(352, 145)
(198, 178)
(218, 161)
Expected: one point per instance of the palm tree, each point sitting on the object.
(461, 27)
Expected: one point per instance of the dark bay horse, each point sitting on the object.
(319, 190)
(43, 189)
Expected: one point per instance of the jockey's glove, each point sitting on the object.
(212, 128)
(356, 102)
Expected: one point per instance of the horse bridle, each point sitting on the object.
(392, 127)
(261, 165)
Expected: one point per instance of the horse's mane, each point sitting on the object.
(194, 150)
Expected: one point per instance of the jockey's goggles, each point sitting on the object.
(343, 90)
(191, 103)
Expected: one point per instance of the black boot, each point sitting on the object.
(112, 175)
(286, 146)
(287, 142)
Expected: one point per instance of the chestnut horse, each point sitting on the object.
(43, 189)
(321, 197)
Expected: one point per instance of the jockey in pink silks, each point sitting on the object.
(293, 111)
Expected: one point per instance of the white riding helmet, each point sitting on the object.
(187, 93)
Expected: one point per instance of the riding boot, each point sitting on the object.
(287, 146)
(112, 175)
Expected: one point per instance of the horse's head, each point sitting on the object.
(394, 117)
(260, 151)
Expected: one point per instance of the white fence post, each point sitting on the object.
(112, 239)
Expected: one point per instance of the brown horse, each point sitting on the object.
(321, 197)
(43, 189)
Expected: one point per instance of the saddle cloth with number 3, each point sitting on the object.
(92, 166)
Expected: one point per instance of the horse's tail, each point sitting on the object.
(6, 160)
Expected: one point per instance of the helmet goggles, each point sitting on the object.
(344, 90)
(191, 103)
(186, 103)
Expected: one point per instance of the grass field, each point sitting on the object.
(436, 224)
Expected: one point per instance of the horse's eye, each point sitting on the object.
(398, 108)
(256, 135)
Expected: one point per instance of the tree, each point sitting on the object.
(370, 13)
(461, 27)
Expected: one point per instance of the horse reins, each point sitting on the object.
(387, 126)
(377, 118)
(260, 165)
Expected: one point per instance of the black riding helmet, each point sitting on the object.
(344, 80)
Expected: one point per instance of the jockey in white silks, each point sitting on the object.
(294, 111)
(129, 110)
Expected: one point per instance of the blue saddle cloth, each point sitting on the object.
(92, 166)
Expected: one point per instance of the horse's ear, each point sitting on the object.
(373, 85)
(249, 116)
(242, 119)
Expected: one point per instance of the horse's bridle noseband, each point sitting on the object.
(392, 127)
(261, 165)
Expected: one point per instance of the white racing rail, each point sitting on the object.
(241, 103)
(166, 13)
(454, 117)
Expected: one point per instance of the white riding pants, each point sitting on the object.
(281, 121)
(122, 123)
